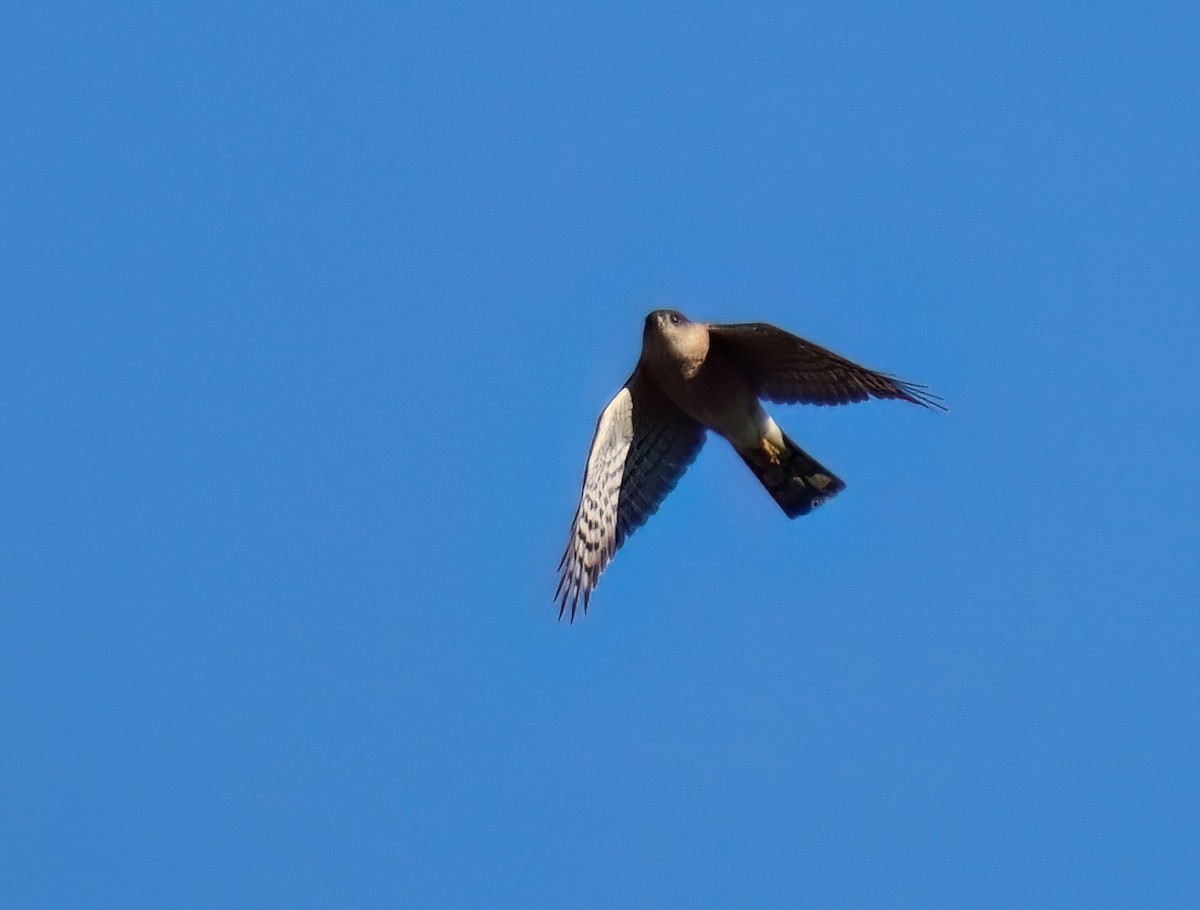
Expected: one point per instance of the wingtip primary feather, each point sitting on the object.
(920, 394)
(575, 591)
(575, 604)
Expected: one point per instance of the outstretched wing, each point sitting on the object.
(642, 446)
(790, 370)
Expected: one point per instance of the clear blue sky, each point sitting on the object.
(308, 313)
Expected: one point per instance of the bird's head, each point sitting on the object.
(672, 338)
(662, 323)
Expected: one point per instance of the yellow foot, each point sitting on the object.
(772, 451)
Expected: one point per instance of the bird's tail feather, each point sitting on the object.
(794, 478)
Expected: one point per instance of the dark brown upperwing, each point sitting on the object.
(790, 370)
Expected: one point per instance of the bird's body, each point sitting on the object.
(692, 377)
(702, 383)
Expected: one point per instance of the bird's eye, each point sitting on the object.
(674, 319)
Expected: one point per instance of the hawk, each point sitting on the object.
(698, 376)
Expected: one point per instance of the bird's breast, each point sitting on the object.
(719, 396)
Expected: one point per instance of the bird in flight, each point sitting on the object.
(698, 376)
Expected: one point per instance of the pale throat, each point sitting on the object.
(687, 348)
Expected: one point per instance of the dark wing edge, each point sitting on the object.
(642, 445)
(790, 370)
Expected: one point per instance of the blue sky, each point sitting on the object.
(308, 315)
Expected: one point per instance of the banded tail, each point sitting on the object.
(794, 478)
